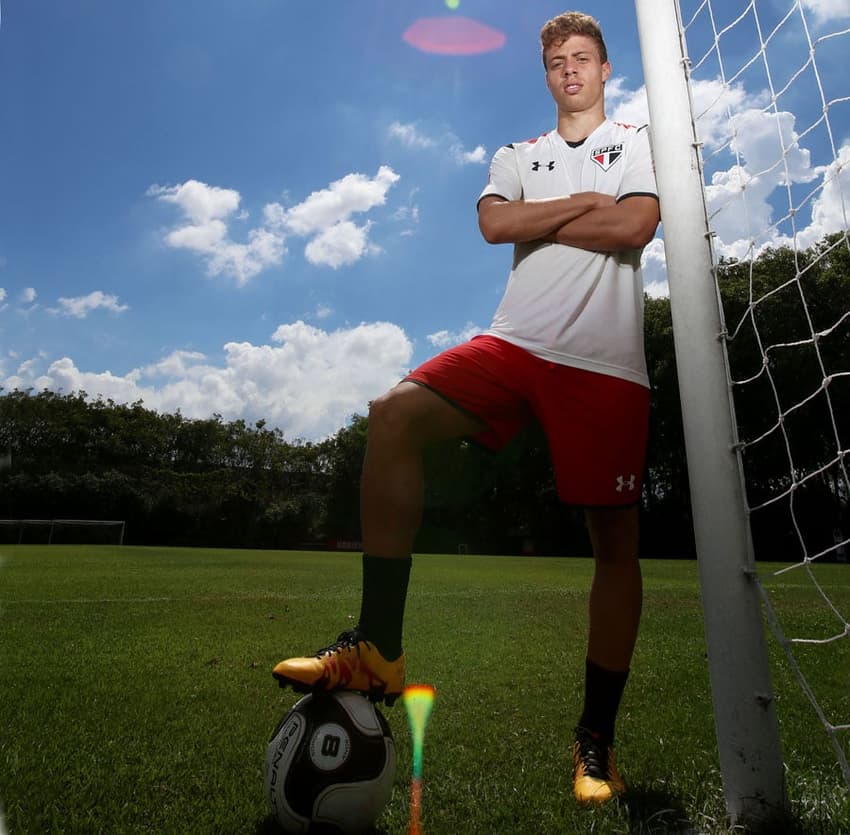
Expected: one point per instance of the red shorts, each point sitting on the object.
(596, 425)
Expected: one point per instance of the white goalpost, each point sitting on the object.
(766, 125)
(745, 717)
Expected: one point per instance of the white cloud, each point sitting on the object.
(752, 159)
(207, 210)
(654, 269)
(408, 215)
(27, 367)
(176, 364)
(306, 381)
(354, 193)
(342, 244)
(445, 339)
(831, 208)
(244, 261)
(200, 203)
(324, 217)
(656, 289)
(25, 374)
(748, 199)
(206, 237)
(80, 306)
(628, 107)
(760, 137)
(26, 301)
(714, 101)
(412, 137)
(477, 156)
(829, 9)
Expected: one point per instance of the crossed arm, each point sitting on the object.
(587, 220)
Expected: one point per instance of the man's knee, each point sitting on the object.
(418, 415)
(396, 413)
(614, 534)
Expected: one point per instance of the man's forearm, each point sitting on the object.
(630, 224)
(517, 221)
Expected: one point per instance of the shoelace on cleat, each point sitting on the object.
(347, 640)
(593, 754)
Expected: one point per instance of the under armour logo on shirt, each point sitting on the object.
(550, 166)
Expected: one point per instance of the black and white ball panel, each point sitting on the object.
(331, 760)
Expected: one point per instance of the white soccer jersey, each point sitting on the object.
(564, 304)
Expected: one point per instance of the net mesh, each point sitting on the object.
(773, 116)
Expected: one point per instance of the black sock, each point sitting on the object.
(603, 690)
(382, 606)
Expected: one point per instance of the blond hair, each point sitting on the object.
(558, 29)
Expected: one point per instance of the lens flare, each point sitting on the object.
(418, 702)
(453, 35)
(452, 4)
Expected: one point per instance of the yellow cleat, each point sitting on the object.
(350, 663)
(595, 776)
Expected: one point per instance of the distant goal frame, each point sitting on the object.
(51, 524)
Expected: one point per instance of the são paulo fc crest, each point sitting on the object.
(606, 156)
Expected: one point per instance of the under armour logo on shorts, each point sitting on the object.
(626, 483)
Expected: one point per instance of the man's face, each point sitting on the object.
(575, 75)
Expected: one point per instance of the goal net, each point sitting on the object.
(768, 137)
(62, 531)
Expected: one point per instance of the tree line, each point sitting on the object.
(211, 482)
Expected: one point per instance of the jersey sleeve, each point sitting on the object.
(504, 180)
(639, 179)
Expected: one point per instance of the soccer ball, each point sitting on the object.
(331, 763)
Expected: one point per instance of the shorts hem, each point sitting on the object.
(593, 506)
(485, 427)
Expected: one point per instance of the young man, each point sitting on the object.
(565, 347)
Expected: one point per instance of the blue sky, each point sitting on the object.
(266, 209)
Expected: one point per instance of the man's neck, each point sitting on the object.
(574, 127)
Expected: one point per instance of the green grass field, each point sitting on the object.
(136, 692)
